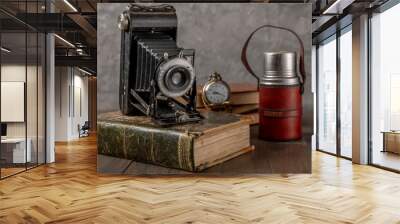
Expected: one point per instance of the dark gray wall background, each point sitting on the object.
(217, 31)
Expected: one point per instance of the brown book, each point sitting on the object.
(243, 87)
(244, 98)
(251, 118)
(244, 108)
(191, 147)
(241, 94)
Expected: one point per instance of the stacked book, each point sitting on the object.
(191, 147)
(243, 100)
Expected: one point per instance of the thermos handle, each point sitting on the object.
(246, 64)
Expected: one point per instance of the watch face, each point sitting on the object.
(217, 93)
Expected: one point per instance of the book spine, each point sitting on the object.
(156, 146)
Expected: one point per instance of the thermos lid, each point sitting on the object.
(280, 69)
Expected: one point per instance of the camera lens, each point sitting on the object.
(175, 77)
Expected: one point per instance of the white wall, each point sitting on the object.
(33, 126)
(12, 101)
(17, 73)
(62, 82)
(71, 102)
(12, 73)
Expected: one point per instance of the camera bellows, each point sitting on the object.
(158, 55)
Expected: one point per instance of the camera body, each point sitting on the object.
(157, 77)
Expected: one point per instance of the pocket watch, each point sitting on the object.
(216, 92)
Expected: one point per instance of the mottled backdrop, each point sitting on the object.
(217, 31)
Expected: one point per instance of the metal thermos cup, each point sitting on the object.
(280, 98)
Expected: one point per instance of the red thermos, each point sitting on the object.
(280, 89)
(280, 107)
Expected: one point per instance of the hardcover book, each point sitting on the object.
(191, 147)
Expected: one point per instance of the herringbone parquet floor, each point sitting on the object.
(70, 191)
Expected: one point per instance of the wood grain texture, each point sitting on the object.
(70, 191)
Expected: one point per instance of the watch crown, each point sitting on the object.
(215, 76)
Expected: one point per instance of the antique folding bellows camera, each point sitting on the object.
(157, 77)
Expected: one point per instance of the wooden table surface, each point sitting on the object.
(267, 158)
